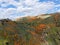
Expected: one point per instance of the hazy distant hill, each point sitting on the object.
(37, 30)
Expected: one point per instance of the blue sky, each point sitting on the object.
(19, 8)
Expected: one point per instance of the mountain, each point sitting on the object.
(43, 16)
(43, 29)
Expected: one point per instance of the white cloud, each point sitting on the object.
(57, 5)
(25, 8)
(58, 10)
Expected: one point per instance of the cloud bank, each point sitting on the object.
(19, 8)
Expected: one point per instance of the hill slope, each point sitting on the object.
(31, 30)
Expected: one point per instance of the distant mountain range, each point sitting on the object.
(42, 16)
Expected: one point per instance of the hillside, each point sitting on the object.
(37, 30)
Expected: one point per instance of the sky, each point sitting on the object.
(13, 9)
